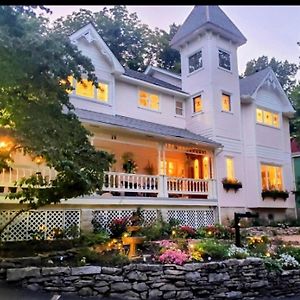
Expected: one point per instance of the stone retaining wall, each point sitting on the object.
(230, 279)
(270, 231)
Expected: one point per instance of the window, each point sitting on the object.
(224, 60)
(267, 117)
(102, 92)
(229, 168)
(271, 177)
(88, 90)
(147, 100)
(195, 61)
(197, 104)
(179, 108)
(226, 102)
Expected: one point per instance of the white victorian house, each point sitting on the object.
(185, 132)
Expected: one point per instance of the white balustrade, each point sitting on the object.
(124, 182)
(10, 176)
(177, 185)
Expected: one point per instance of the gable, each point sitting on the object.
(88, 38)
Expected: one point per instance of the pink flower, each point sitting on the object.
(167, 244)
(175, 256)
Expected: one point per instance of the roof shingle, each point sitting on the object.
(141, 125)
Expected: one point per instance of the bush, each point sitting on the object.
(90, 239)
(237, 252)
(273, 265)
(293, 251)
(217, 231)
(212, 249)
(174, 256)
(258, 245)
(118, 227)
(184, 232)
(108, 258)
(288, 261)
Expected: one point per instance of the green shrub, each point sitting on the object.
(90, 239)
(212, 249)
(217, 231)
(107, 258)
(273, 265)
(258, 245)
(293, 251)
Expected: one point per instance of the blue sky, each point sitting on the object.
(270, 30)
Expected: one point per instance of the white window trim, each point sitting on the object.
(271, 111)
(230, 58)
(148, 92)
(192, 98)
(230, 95)
(94, 99)
(188, 64)
(183, 109)
(271, 164)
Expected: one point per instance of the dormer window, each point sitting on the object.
(195, 61)
(224, 60)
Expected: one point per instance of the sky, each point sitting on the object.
(270, 30)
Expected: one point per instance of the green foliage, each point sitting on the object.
(217, 231)
(118, 227)
(90, 239)
(273, 265)
(212, 248)
(39, 115)
(108, 258)
(284, 70)
(295, 122)
(293, 251)
(133, 43)
(258, 245)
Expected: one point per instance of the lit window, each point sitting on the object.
(197, 104)
(102, 92)
(179, 108)
(70, 81)
(148, 100)
(85, 88)
(224, 60)
(229, 168)
(226, 102)
(271, 177)
(195, 61)
(259, 115)
(267, 117)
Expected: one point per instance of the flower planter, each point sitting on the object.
(275, 194)
(233, 186)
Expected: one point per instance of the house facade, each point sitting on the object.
(176, 137)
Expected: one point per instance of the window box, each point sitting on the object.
(233, 184)
(275, 194)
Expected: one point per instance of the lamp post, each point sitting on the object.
(237, 225)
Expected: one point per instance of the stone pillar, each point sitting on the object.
(86, 220)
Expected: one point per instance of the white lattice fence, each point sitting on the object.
(104, 217)
(28, 223)
(194, 218)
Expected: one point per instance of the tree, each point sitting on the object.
(35, 110)
(284, 70)
(295, 122)
(133, 43)
(125, 35)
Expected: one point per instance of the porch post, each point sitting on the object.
(162, 179)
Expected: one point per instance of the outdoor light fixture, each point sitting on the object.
(6, 144)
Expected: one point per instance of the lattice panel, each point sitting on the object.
(193, 218)
(31, 222)
(104, 217)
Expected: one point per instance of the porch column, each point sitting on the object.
(162, 178)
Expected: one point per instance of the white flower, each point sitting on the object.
(234, 251)
(288, 261)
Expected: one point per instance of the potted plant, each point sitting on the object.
(274, 193)
(129, 165)
(231, 183)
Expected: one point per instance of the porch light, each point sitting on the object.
(6, 144)
(38, 159)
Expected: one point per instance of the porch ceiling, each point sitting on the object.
(143, 126)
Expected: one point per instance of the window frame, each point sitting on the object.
(230, 60)
(267, 164)
(193, 106)
(233, 166)
(183, 109)
(95, 98)
(188, 61)
(230, 104)
(149, 93)
(273, 112)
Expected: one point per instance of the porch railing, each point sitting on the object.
(177, 185)
(123, 182)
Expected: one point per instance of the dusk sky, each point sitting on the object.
(270, 30)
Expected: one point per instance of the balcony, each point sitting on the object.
(124, 184)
